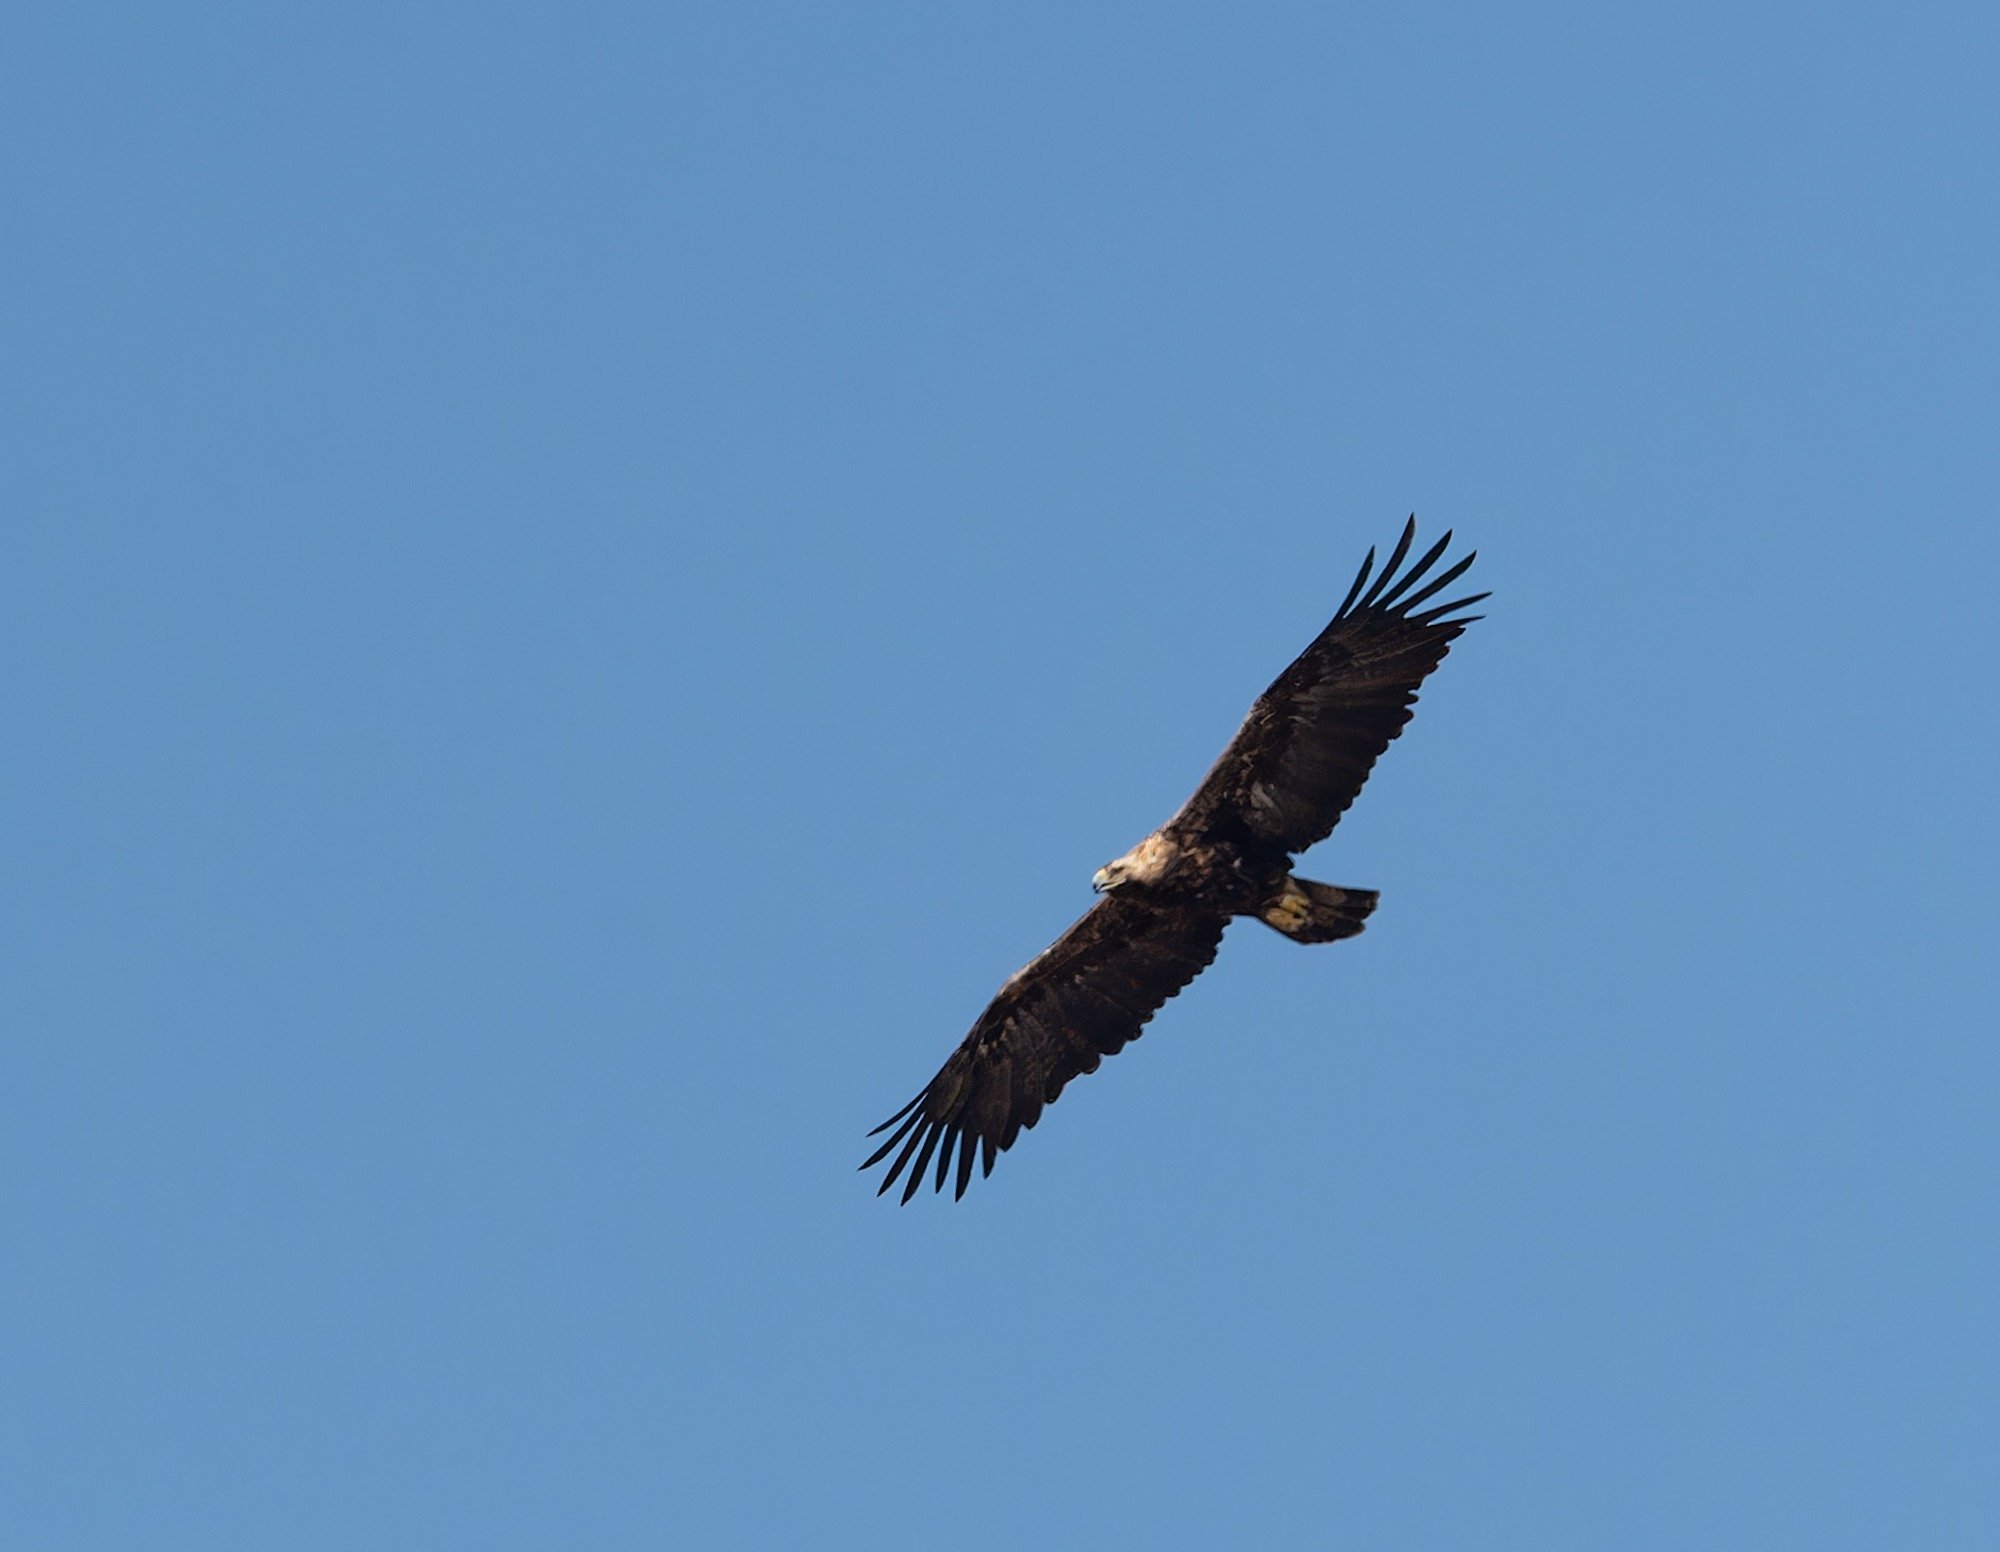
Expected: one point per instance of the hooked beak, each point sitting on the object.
(1101, 880)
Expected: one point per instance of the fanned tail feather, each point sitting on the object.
(1309, 912)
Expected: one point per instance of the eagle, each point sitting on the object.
(1282, 784)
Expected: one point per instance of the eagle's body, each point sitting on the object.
(1291, 771)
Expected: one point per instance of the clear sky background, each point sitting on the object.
(581, 584)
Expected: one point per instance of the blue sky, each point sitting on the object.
(581, 585)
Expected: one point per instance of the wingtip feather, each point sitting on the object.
(1395, 559)
(909, 1117)
(967, 1151)
(915, 1180)
(878, 1130)
(1388, 599)
(1360, 581)
(1437, 616)
(944, 1157)
(1438, 583)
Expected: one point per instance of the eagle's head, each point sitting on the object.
(1146, 863)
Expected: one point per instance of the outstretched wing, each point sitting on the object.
(1076, 1003)
(1307, 746)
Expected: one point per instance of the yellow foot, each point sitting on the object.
(1291, 910)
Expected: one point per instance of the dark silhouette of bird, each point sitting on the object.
(1290, 772)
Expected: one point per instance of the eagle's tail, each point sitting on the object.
(1307, 912)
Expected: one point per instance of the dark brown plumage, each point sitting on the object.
(1291, 771)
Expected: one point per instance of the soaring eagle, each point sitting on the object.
(1282, 784)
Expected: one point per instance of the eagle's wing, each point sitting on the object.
(1309, 742)
(1076, 1003)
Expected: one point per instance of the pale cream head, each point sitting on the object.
(1146, 863)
